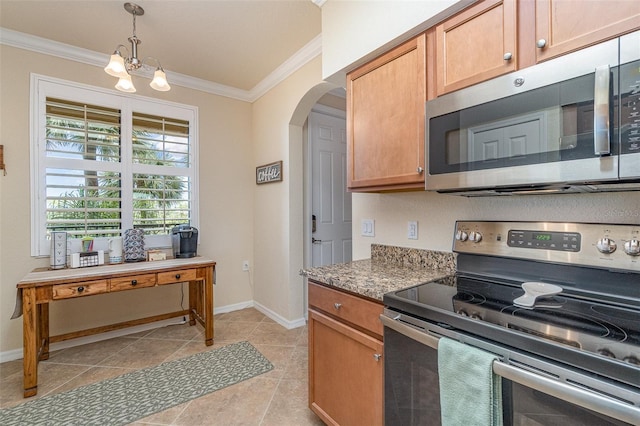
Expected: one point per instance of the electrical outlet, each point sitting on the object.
(245, 265)
(412, 230)
(367, 228)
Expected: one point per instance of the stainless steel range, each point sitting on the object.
(557, 303)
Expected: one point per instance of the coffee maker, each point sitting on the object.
(184, 239)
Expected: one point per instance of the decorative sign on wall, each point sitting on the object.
(268, 173)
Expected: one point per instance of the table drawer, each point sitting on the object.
(176, 276)
(87, 288)
(134, 281)
(356, 310)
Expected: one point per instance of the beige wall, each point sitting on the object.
(226, 198)
(436, 214)
(278, 222)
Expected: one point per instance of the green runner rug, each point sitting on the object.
(135, 395)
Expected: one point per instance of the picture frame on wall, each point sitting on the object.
(269, 173)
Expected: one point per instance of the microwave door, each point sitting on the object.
(629, 102)
(560, 130)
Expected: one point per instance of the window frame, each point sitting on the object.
(42, 87)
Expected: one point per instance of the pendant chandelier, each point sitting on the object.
(122, 67)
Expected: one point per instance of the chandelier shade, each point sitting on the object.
(125, 84)
(122, 67)
(116, 66)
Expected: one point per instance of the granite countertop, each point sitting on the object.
(389, 269)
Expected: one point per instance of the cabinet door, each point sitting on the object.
(563, 26)
(385, 120)
(345, 373)
(476, 45)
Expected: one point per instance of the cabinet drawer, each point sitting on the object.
(358, 311)
(176, 276)
(88, 288)
(135, 281)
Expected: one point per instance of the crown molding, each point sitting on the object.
(65, 51)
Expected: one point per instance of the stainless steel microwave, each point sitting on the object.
(571, 124)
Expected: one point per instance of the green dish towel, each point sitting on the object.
(470, 393)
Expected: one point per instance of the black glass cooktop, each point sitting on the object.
(605, 330)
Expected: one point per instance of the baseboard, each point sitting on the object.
(14, 354)
(280, 320)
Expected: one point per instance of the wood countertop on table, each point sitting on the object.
(389, 269)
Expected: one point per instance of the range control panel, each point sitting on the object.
(545, 240)
(597, 245)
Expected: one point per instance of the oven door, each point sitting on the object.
(547, 125)
(412, 394)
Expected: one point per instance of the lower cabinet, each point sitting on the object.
(345, 371)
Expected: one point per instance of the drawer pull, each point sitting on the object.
(377, 357)
(80, 289)
(337, 305)
(177, 276)
(134, 282)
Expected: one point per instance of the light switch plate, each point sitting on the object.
(367, 228)
(412, 230)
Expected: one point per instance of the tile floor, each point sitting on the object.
(278, 397)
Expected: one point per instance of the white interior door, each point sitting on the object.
(331, 203)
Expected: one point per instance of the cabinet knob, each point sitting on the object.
(541, 43)
(177, 276)
(80, 289)
(134, 282)
(419, 169)
(507, 56)
(337, 305)
(377, 357)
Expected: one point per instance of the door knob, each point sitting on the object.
(541, 43)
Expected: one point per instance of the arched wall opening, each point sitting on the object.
(300, 198)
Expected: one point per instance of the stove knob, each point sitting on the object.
(461, 236)
(631, 360)
(632, 247)
(606, 245)
(607, 353)
(475, 236)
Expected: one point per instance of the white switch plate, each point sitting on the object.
(412, 230)
(368, 228)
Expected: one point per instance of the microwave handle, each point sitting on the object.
(601, 99)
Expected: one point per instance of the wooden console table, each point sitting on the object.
(42, 286)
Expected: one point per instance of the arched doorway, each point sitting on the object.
(300, 154)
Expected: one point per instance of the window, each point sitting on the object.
(104, 162)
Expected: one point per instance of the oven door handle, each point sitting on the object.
(585, 398)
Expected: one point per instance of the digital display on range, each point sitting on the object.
(561, 241)
(542, 237)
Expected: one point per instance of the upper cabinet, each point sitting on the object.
(495, 37)
(562, 26)
(385, 120)
(476, 45)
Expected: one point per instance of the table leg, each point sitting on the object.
(208, 306)
(43, 330)
(30, 344)
(193, 302)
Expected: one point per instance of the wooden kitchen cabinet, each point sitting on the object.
(345, 358)
(563, 26)
(475, 45)
(495, 37)
(385, 120)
